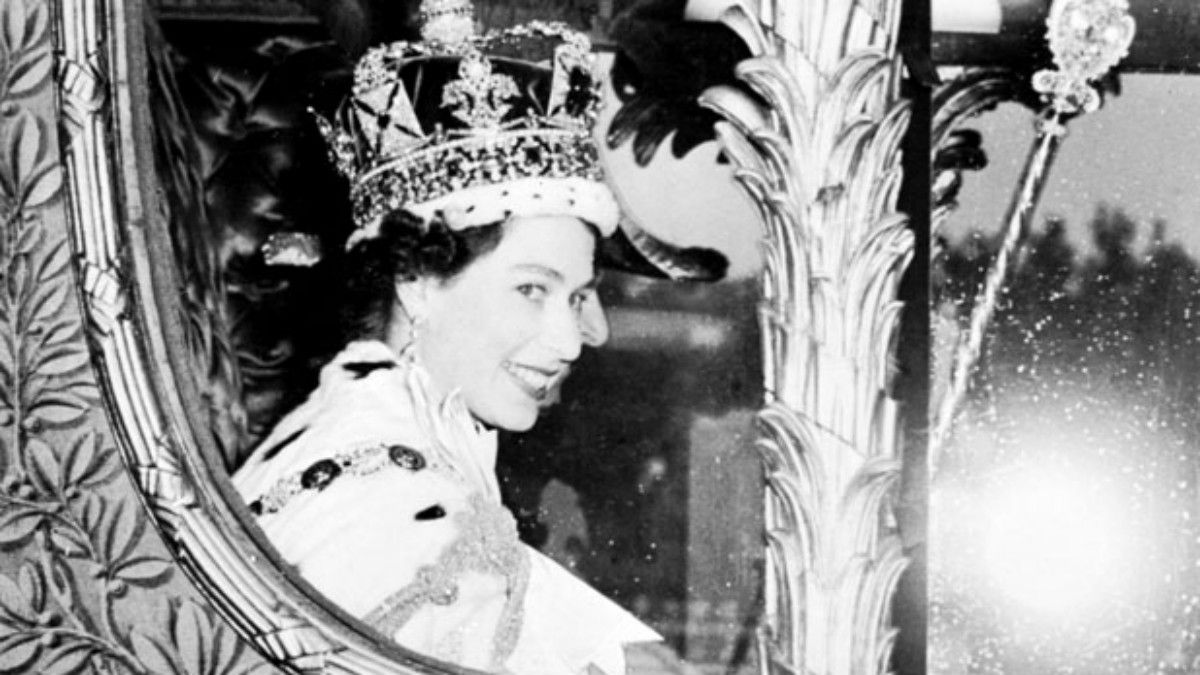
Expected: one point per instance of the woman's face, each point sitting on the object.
(505, 330)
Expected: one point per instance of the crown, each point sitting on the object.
(484, 126)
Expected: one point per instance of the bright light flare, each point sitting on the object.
(1055, 543)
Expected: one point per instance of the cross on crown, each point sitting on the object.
(479, 97)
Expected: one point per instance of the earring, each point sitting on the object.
(414, 329)
(414, 333)
(414, 321)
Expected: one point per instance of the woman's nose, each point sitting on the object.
(593, 322)
(563, 334)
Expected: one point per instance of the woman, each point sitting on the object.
(479, 205)
(487, 322)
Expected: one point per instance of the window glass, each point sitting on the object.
(1063, 510)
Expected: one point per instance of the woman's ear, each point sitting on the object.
(413, 296)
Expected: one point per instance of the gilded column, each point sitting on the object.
(817, 148)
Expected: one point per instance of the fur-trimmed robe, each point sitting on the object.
(364, 539)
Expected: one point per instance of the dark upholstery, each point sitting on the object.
(264, 170)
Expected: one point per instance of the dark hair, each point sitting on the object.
(406, 248)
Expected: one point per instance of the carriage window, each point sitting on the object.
(1064, 508)
(629, 480)
(642, 478)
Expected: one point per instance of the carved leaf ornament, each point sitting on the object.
(73, 545)
(817, 149)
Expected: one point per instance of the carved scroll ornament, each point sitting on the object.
(84, 585)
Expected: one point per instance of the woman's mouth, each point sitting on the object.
(534, 381)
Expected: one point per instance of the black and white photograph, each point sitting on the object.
(600, 337)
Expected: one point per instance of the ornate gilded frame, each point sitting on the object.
(118, 235)
(818, 152)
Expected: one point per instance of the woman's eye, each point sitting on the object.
(532, 291)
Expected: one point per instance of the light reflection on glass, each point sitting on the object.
(1054, 543)
(1062, 526)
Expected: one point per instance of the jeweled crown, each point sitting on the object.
(481, 126)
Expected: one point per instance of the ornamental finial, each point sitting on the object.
(1087, 37)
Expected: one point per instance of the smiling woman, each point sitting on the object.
(390, 462)
(469, 290)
